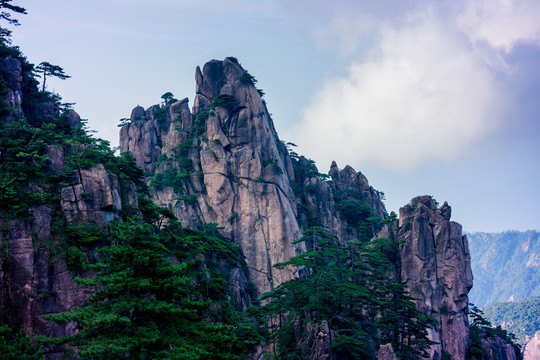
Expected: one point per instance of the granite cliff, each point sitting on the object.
(241, 176)
(532, 349)
(222, 163)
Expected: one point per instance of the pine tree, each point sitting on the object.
(17, 347)
(146, 306)
(347, 287)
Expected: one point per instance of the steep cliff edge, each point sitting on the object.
(54, 192)
(434, 264)
(241, 176)
(222, 166)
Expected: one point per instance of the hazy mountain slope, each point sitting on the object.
(521, 318)
(506, 266)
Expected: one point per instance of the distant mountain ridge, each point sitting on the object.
(506, 266)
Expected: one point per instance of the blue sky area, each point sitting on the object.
(438, 98)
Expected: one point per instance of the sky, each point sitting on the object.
(422, 97)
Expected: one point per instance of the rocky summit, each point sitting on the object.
(221, 165)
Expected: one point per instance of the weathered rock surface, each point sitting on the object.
(386, 353)
(435, 267)
(239, 172)
(532, 349)
(34, 276)
(241, 176)
(11, 70)
(35, 279)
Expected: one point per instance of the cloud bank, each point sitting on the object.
(501, 23)
(422, 93)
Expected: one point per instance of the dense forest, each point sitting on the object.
(518, 317)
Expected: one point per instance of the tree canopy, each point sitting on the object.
(345, 289)
(47, 69)
(151, 307)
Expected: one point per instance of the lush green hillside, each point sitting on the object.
(506, 266)
(520, 318)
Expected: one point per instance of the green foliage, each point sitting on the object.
(168, 98)
(224, 100)
(274, 163)
(47, 69)
(160, 114)
(83, 233)
(233, 59)
(17, 347)
(247, 78)
(354, 211)
(147, 307)
(403, 325)
(170, 177)
(344, 286)
(521, 318)
(480, 328)
(124, 121)
(75, 259)
(407, 226)
(190, 199)
(23, 148)
(185, 163)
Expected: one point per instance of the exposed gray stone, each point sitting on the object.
(532, 349)
(435, 267)
(386, 353)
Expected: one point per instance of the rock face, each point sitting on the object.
(35, 279)
(434, 265)
(236, 172)
(34, 276)
(11, 70)
(240, 176)
(386, 353)
(532, 349)
(222, 163)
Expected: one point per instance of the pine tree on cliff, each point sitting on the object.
(5, 14)
(345, 288)
(47, 70)
(149, 308)
(17, 347)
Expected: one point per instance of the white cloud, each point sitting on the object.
(501, 23)
(422, 94)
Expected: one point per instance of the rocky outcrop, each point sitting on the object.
(11, 70)
(222, 163)
(35, 278)
(434, 265)
(238, 173)
(495, 348)
(386, 353)
(230, 166)
(532, 349)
